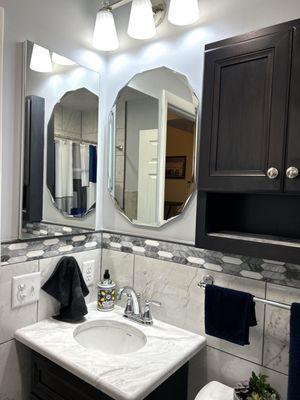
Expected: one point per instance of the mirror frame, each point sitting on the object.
(111, 164)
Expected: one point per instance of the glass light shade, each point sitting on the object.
(61, 60)
(183, 12)
(40, 59)
(105, 33)
(141, 22)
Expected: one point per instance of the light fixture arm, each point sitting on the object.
(112, 4)
(159, 8)
(105, 5)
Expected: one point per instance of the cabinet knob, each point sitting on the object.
(292, 172)
(272, 173)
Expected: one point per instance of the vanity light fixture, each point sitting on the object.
(145, 16)
(40, 59)
(183, 12)
(141, 22)
(61, 60)
(105, 33)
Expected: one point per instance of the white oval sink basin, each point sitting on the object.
(110, 337)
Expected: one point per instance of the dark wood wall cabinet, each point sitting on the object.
(51, 382)
(32, 208)
(249, 153)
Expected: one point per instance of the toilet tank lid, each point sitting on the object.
(215, 391)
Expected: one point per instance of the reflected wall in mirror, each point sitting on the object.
(153, 136)
(60, 145)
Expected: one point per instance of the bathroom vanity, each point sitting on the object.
(108, 357)
(49, 381)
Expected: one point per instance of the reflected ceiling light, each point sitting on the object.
(183, 12)
(40, 59)
(105, 33)
(61, 60)
(141, 23)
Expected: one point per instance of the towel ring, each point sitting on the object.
(206, 280)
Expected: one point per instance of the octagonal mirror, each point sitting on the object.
(153, 138)
(72, 153)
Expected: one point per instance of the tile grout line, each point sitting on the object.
(133, 271)
(101, 258)
(264, 329)
(7, 341)
(38, 302)
(245, 359)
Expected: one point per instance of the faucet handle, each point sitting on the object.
(147, 316)
(129, 307)
(120, 293)
(153, 302)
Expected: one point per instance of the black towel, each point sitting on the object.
(229, 314)
(67, 285)
(294, 363)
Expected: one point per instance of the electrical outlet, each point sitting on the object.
(25, 289)
(88, 271)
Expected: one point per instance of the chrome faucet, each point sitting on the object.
(133, 309)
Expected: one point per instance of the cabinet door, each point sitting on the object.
(244, 114)
(292, 180)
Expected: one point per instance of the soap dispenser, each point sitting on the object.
(106, 293)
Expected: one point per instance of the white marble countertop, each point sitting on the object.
(123, 377)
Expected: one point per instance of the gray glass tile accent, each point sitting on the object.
(248, 267)
(19, 252)
(255, 268)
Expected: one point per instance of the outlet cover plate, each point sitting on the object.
(25, 289)
(88, 272)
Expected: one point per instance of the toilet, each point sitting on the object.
(215, 391)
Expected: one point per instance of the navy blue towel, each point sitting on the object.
(78, 211)
(294, 363)
(229, 314)
(93, 164)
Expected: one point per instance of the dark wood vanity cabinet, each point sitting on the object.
(51, 382)
(249, 153)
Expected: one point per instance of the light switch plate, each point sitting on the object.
(25, 289)
(88, 272)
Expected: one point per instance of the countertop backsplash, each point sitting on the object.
(168, 272)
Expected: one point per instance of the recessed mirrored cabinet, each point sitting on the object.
(61, 108)
(153, 137)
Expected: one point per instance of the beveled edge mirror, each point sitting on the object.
(66, 77)
(169, 170)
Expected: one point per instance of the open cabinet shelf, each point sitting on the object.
(258, 225)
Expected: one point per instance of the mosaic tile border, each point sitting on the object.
(42, 230)
(281, 273)
(22, 251)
